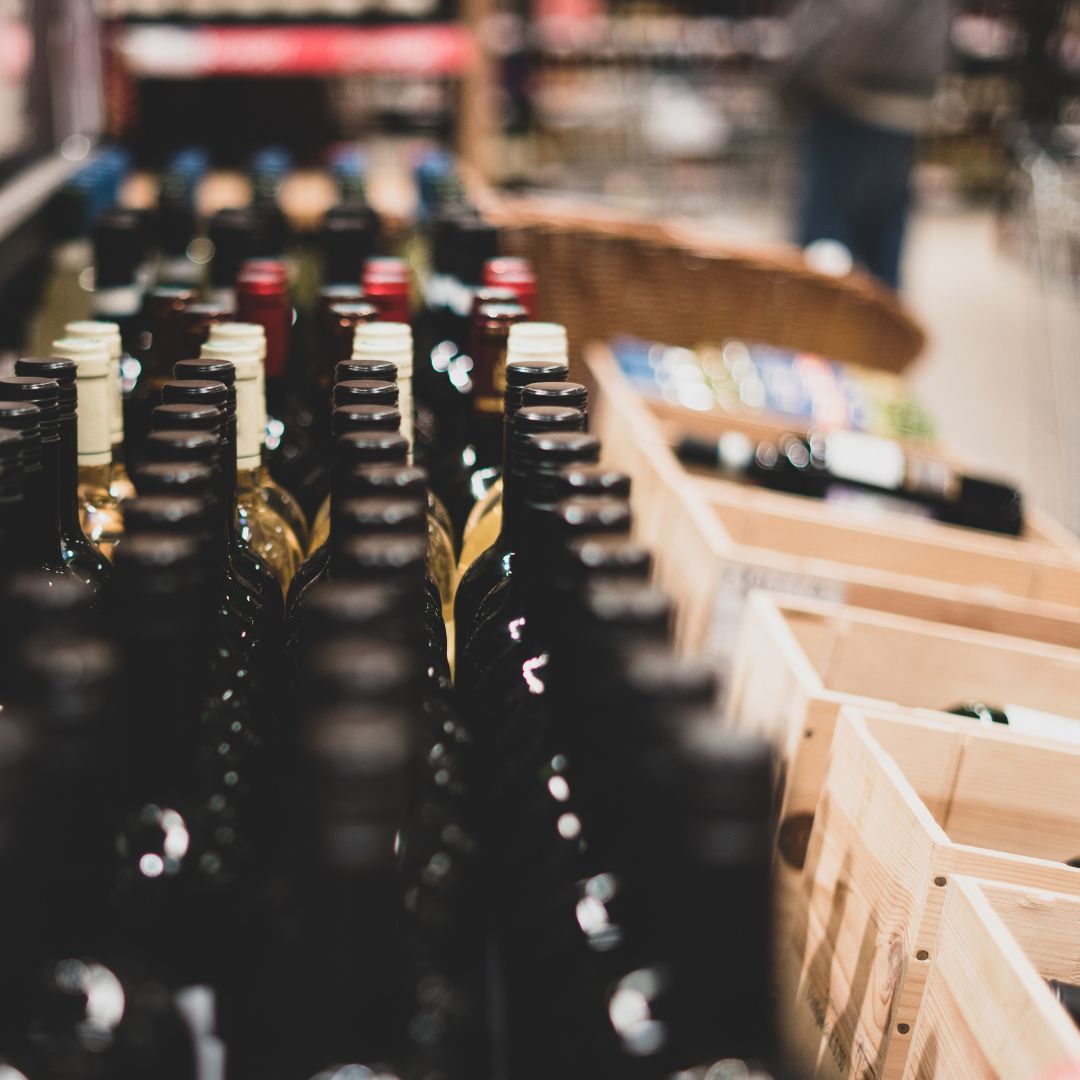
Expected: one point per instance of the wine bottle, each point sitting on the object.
(255, 569)
(58, 484)
(252, 337)
(267, 533)
(180, 889)
(347, 241)
(120, 485)
(1068, 994)
(232, 233)
(119, 250)
(495, 564)
(77, 1009)
(846, 466)
(391, 341)
(481, 457)
(338, 328)
(99, 509)
(350, 450)
(32, 512)
(549, 363)
(485, 518)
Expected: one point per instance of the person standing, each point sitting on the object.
(862, 73)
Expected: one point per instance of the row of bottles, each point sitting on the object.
(325, 857)
(341, 731)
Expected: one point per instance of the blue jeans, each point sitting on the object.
(855, 190)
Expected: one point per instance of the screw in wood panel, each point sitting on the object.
(922, 954)
(903, 1028)
(940, 881)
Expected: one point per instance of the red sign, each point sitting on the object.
(191, 53)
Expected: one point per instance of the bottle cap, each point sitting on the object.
(654, 673)
(240, 332)
(380, 514)
(592, 514)
(43, 394)
(232, 232)
(192, 391)
(180, 415)
(182, 445)
(383, 558)
(175, 478)
(32, 602)
(333, 609)
(222, 371)
(157, 576)
(360, 669)
(540, 418)
(548, 332)
(53, 367)
(389, 480)
(365, 418)
(119, 247)
(194, 325)
(356, 757)
(571, 394)
(348, 238)
(365, 391)
(477, 242)
(522, 373)
(243, 355)
(549, 450)
(370, 370)
(184, 515)
(592, 480)
(340, 293)
(97, 330)
(604, 556)
(370, 447)
(385, 341)
(620, 608)
(96, 382)
(18, 414)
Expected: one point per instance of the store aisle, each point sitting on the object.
(994, 375)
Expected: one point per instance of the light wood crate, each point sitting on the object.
(986, 1009)
(800, 662)
(716, 540)
(908, 803)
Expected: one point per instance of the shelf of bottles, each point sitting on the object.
(342, 732)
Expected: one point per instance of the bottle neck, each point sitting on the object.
(55, 496)
(89, 440)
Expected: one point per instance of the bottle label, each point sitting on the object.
(1043, 725)
(865, 459)
(95, 419)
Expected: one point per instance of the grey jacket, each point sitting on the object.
(878, 60)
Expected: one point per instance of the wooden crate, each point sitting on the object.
(801, 661)
(908, 803)
(716, 540)
(986, 1008)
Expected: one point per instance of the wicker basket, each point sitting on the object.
(604, 275)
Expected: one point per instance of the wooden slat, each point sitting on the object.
(985, 1009)
(881, 843)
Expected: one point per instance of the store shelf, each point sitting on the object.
(171, 51)
(28, 190)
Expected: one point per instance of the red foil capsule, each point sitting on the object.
(264, 299)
